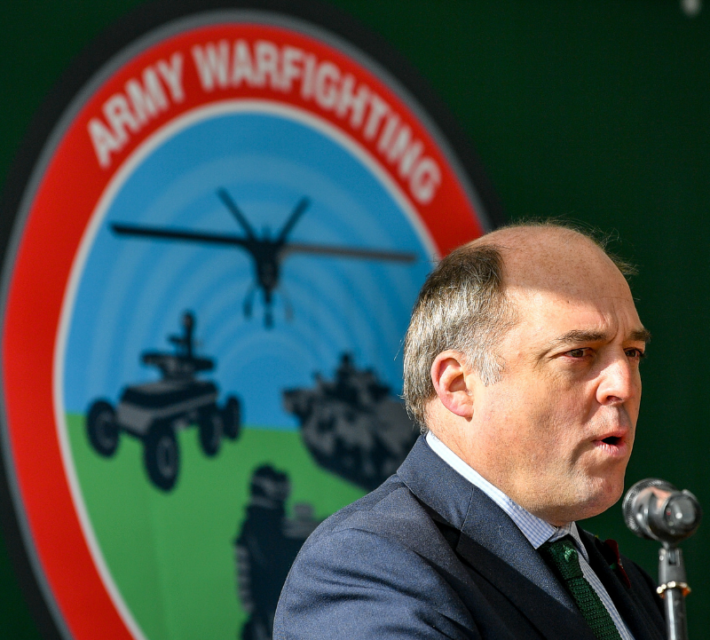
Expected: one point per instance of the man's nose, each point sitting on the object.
(619, 381)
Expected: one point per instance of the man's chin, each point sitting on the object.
(602, 497)
(591, 500)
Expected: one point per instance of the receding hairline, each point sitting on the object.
(525, 233)
(525, 236)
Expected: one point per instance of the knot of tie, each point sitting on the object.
(563, 557)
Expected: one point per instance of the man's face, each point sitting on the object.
(556, 432)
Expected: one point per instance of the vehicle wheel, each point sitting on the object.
(102, 429)
(161, 455)
(211, 432)
(232, 418)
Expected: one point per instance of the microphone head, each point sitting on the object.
(656, 510)
(630, 508)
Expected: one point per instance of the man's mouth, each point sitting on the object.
(614, 443)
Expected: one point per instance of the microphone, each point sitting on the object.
(656, 510)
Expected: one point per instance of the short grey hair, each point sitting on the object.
(463, 307)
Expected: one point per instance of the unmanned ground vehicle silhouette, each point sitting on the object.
(267, 253)
(154, 411)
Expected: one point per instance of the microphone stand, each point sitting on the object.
(673, 589)
(654, 509)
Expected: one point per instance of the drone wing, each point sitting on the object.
(178, 234)
(350, 252)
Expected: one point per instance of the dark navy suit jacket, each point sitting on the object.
(428, 555)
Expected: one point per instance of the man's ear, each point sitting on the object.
(452, 383)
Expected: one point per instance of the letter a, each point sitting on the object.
(104, 143)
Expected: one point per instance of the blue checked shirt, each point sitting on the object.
(537, 531)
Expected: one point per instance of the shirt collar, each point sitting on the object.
(535, 529)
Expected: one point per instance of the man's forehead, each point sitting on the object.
(596, 291)
(550, 319)
(556, 259)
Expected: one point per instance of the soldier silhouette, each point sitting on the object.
(266, 548)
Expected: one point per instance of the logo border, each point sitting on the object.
(127, 37)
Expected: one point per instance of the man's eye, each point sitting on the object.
(577, 353)
(637, 354)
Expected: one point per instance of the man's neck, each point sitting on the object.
(535, 529)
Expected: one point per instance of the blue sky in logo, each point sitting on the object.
(132, 292)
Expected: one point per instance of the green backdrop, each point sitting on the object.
(595, 110)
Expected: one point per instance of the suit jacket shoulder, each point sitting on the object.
(426, 555)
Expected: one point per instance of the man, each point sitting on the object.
(522, 365)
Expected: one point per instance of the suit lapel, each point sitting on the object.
(551, 617)
(632, 612)
(488, 526)
(491, 545)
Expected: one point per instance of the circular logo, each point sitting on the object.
(212, 270)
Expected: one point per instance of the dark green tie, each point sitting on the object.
(563, 557)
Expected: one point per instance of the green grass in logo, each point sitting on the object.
(171, 555)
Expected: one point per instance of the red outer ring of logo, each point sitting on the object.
(61, 208)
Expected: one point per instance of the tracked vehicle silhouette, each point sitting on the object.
(353, 425)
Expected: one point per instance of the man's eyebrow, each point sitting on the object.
(641, 335)
(579, 336)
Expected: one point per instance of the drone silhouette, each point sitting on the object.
(267, 253)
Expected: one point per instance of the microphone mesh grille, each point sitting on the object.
(628, 506)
